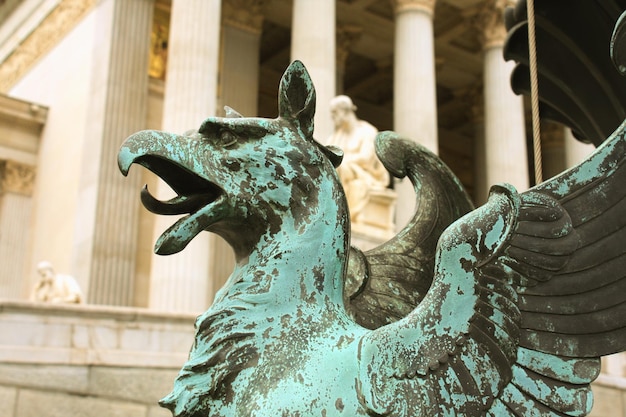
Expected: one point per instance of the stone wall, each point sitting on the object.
(67, 360)
(83, 390)
(94, 361)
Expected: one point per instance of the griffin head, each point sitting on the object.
(236, 176)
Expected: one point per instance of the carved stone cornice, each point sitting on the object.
(246, 15)
(16, 178)
(400, 6)
(489, 21)
(47, 34)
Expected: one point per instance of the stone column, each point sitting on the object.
(313, 43)
(106, 231)
(16, 189)
(552, 149)
(182, 282)
(575, 150)
(414, 88)
(473, 99)
(506, 157)
(242, 24)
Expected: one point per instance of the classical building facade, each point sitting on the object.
(78, 76)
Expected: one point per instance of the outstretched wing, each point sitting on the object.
(529, 292)
(581, 310)
(386, 283)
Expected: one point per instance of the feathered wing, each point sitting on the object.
(388, 282)
(581, 310)
(528, 294)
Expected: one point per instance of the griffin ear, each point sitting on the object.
(296, 97)
(231, 113)
(333, 153)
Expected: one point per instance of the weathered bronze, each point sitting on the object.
(578, 85)
(503, 311)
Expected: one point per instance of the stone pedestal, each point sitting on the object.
(88, 361)
(376, 221)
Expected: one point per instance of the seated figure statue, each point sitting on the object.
(360, 172)
(55, 288)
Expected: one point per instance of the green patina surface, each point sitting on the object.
(279, 340)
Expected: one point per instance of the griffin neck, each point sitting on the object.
(302, 262)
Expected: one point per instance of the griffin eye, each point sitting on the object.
(226, 138)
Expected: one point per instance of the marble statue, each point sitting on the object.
(55, 288)
(503, 310)
(360, 172)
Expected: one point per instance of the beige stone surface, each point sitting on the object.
(139, 385)
(75, 334)
(45, 377)
(82, 360)
(158, 412)
(607, 402)
(8, 397)
(52, 404)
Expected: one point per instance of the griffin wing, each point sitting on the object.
(386, 283)
(529, 292)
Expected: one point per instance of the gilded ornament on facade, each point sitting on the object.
(16, 177)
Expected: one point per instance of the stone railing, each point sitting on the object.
(73, 360)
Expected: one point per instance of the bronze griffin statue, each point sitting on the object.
(503, 310)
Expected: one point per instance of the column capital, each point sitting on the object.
(426, 6)
(347, 35)
(16, 178)
(246, 15)
(552, 135)
(488, 19)
(472, 97)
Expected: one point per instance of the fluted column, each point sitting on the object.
(182, 282)
(313, 43)
(414, 88)
(575, 150)
(506, 156)
(106, 231)
(16, 188)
